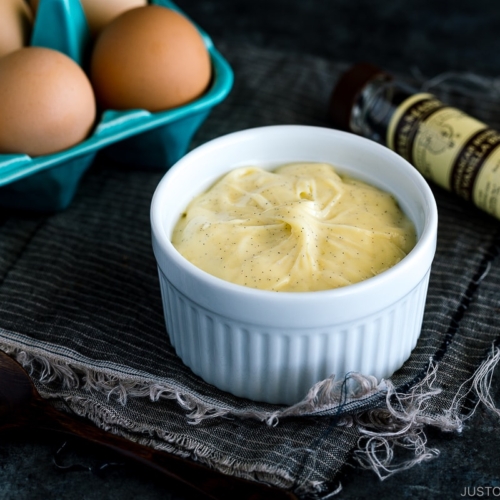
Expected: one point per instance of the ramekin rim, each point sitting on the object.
(427, 237)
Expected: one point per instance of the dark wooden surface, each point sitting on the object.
(22, 407)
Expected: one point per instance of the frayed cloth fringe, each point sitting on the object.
(481, 382)
(328, 395)
(401, 424)
(397, 424)
(47, 370)
(178, 445)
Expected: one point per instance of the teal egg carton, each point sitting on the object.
(139, 137)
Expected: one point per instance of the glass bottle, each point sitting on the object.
(445, 144)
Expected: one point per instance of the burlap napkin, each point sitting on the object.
(80, 307)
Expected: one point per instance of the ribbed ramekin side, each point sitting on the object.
(383, 342)
(279, 366)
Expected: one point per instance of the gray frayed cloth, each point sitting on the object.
(80, 308)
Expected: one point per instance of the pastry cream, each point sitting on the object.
(301, 227)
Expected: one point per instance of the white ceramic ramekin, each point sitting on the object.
(273, 346)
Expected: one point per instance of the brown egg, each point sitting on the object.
(99, 13)
(151, 58)
(15, 25)
(47, 103)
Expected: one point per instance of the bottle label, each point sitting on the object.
(450, 148)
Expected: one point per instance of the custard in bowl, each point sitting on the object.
(273, 344)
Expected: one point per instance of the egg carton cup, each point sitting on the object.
(274, 346)
(139, 137)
